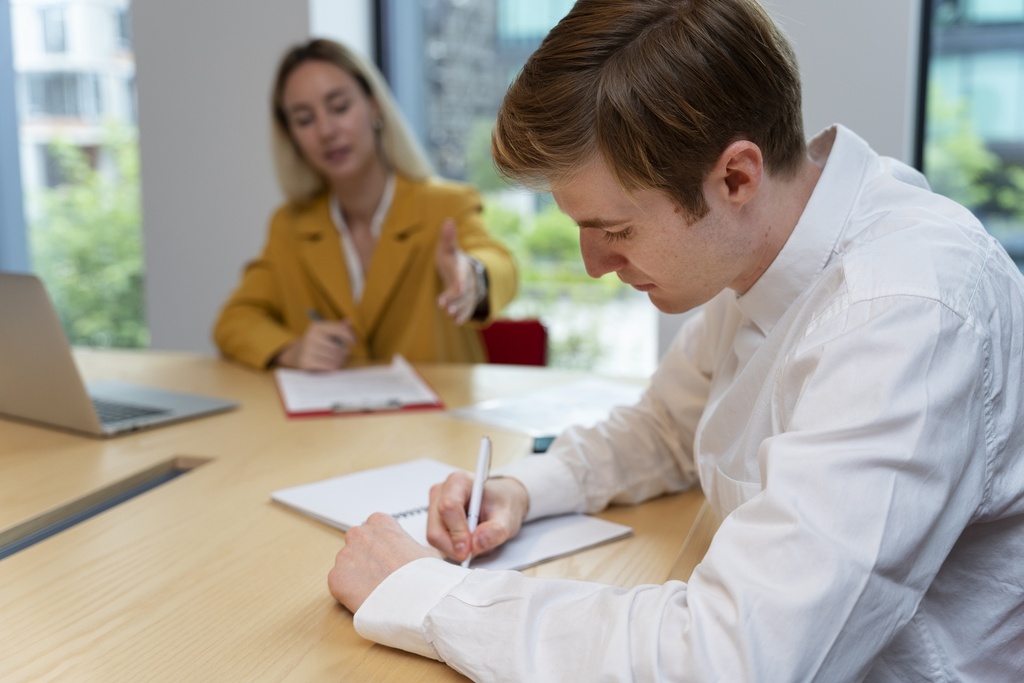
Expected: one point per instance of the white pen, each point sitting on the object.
(476, 496)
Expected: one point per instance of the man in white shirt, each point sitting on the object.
(849, 396)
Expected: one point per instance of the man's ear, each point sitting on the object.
(736, 176)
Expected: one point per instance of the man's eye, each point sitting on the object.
(618, 236)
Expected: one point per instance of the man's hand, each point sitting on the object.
(504, 507)
(460, 296)
(372, 552)
(327, 345)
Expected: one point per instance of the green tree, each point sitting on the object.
(1010, 196)
(554, 238)
(480, 170)
(86, 243)
(956, 158)
(961, 166)
(505, 225)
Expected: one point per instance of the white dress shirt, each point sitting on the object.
(356, 276)
(855, 419)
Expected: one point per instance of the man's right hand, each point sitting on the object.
(504, 507)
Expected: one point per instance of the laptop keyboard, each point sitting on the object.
(109, 411)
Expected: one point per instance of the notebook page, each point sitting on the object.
(346, 501)
(403, 491)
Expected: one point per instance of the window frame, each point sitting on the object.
(1007, 38)
(13, 238)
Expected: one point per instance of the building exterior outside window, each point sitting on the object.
(973, 128)
(71, 93)
(74, 78)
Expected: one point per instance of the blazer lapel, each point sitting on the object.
(395, 250)
(321, 251)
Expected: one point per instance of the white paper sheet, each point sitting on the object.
(548, 412)
(369, 389)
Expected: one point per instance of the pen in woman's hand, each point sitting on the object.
(315, 316)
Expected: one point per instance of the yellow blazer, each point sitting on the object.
(302, 268)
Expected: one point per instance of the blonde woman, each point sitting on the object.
(372, 254)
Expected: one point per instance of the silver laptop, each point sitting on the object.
(40, 382)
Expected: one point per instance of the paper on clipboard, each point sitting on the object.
(355, 390)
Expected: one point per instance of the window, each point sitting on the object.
(58, 94)
(52, 19)
(132, 111)
(77, 158)
(13, 246)
(123, 28)
(971, 144)
(449, 63)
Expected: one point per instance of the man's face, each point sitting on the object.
(648, 241)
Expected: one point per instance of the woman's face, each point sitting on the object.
(331, 119)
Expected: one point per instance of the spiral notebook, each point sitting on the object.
(403, 491)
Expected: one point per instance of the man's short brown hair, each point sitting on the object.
(658, 88)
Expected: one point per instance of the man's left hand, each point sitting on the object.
(372, 552)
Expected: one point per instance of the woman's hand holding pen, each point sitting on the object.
(326, 345)
(461, 293)
(505, 504)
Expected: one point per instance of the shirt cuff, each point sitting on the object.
(550, 483)
(394, 613)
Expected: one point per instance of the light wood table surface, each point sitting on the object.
(204, 578)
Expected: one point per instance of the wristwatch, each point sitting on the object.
(482, 305)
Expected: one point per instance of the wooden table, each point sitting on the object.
(204, 578)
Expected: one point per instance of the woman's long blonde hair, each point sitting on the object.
(400, 149)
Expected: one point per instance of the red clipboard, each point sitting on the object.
(355, 391)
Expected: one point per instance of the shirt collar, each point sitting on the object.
(356, 276)
(381, 212)
(813, 241)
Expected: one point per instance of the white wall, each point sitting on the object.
(203, 77)
(204, 71)
(347, 21)
(858, 61)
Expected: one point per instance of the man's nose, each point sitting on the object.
(599, 257)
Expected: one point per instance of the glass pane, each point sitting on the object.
(75, 85)
(974, 112)
(980, 11)
(471, 50)
(53, 28)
